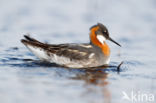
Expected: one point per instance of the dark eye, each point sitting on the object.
(105, 31)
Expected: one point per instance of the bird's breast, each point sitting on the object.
(105, 49)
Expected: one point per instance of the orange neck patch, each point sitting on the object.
(95, 41)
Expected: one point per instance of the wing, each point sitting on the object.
(71, 51)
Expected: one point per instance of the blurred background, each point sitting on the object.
(23, 79)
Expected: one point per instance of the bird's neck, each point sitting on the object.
(104, 47)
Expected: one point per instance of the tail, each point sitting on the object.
(36, 47)
(30, 41)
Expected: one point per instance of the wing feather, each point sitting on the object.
(71, 51)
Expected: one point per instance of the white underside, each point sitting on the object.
(61, 60)
(42, 55)
(107, 61)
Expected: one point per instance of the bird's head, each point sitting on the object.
(99, 34)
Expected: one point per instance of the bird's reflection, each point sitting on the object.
(95, 80)
(95, 83)
(96, 77)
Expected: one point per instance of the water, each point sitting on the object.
(24, 79)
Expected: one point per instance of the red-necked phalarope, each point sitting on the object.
(94, 54)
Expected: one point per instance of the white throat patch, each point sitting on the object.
(101, 38)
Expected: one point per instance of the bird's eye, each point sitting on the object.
(105, 31)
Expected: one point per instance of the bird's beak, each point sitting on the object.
(114, 41)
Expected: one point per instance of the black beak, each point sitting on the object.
(114, 41)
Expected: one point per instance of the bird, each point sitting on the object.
(95, 53)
